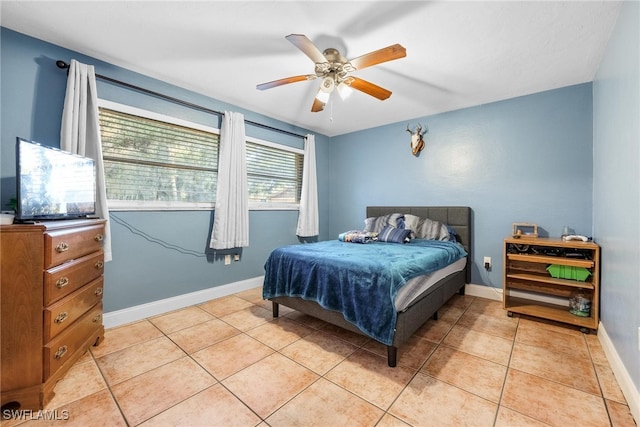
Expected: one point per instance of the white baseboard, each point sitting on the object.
(625, 382)
(154, 308)
(142, 311)
(483, 291)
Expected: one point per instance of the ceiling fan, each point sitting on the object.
(335, 71)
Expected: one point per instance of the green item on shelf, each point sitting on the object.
(568, 272)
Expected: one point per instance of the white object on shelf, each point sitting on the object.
(6, 217)
(575, 237)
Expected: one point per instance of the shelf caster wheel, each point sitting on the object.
(510, 313)
(585, 331)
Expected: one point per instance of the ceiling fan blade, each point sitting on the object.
(385, 54)
(317, 105)
(305, 45)
(369, 88)
(286, 80)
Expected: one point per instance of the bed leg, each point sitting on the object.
(392, 355)
(275, 308)
(435, 315)
(461, 290)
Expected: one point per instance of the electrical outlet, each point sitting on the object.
(227, 259)
(487, 263)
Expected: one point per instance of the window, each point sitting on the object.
(273, 173)
(155, 162)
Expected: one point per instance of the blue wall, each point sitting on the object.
(142, 271)
(526, 159)
(616, 213)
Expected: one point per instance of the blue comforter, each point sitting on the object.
(360, 281)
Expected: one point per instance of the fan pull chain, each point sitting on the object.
(331, 110)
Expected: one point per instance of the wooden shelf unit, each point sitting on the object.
(525, 273)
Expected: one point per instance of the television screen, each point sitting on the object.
(53, 184)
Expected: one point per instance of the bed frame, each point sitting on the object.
(426, 305)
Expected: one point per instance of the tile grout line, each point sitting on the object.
(106, 383)
(593, 366)
(506, 375)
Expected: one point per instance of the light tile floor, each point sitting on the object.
(227, 362)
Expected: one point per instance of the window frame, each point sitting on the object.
(154, 205)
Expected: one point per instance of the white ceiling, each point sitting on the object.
(459, 54)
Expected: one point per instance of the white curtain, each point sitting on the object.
(308, 221)
(80, 133)
(231, 218)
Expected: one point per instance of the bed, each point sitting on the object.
(380, 305)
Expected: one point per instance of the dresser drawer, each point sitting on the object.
(67, 244)
(62, 280)
(73, 339)
(61, 315)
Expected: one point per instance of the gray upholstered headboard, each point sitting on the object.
(459, 217)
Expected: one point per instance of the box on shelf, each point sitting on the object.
(568, 272)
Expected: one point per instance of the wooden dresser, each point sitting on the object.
(51, 305)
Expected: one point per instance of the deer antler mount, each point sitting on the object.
(417, 141)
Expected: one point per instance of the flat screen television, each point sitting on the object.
(53, 184)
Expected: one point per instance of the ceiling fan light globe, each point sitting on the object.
(344, 90)
(327, 85)
(323, 96)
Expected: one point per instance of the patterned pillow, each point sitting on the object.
(377, 223)
(394, 235)
(425, 228)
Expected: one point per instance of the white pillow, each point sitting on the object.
(425, 228)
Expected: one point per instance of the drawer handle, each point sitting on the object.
(62, 247)
(61, 352)
(99, 264)
(98, 292)
(97, 318)
(62, 282)
(99, 238)
(61, 317)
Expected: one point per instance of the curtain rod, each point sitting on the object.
(63, 65)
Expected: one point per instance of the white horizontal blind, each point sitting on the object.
(152, 160)
(156, 162)
(274, 175)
